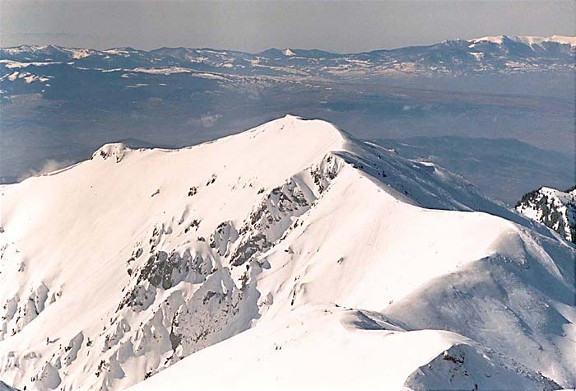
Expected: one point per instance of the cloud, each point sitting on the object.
(206, 120)
(210, 120)
(49, 166)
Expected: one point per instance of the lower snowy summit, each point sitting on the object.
(554, 208)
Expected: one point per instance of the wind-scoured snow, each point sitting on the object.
(287, 256)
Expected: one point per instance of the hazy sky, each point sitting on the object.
(339, 26)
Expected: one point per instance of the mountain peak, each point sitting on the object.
(305, 131)
(115, 150)
(527, 40)
(132, 267)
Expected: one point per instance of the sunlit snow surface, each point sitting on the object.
(288, 256)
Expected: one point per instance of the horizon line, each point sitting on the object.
(487, 38)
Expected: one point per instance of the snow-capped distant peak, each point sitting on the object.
(527, 40)
(79, 53)
(563, 39)
(498, 39)
(119, 51)
(288, 53)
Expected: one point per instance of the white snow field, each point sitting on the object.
(289, 256)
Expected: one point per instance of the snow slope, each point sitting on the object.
(288, 256)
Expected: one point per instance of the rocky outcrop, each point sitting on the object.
(554, 208)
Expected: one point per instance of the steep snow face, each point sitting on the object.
(554, 208)
(401, 272)
(131, 243)
(309, 253)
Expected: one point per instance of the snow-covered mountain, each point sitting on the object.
(287, 256)
(554, 208)
(37, 68)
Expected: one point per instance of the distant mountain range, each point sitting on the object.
(489, 54)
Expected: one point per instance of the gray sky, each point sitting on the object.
(252, 26)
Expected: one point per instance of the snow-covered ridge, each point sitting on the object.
(528, 40)
(279, 248)
(15, 64)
